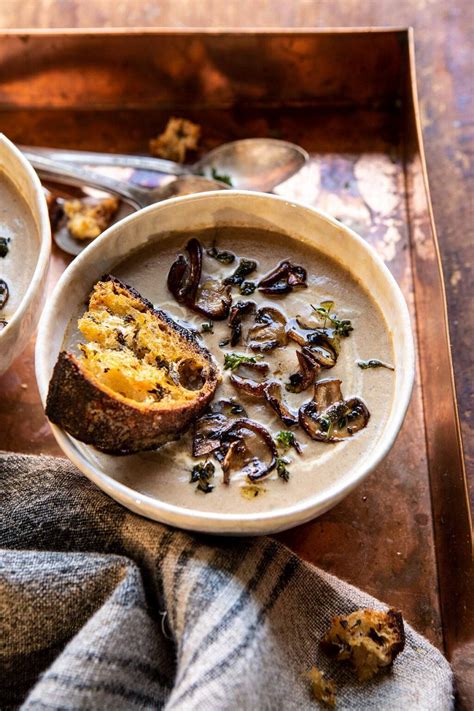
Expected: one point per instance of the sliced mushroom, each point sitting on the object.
(184, 274)
(247, 384)
(229, 407)
(207, 433)
(236, 315)
(307, 374)
(210, 427)
(4, 293)
(322, 344)
(249, 448)
(283, 279)
(274, 397)
(330, 418)
(246, 267)
(212, 299)
(269, 331)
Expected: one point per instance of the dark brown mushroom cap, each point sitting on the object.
(247, 384)
(211, 299)
(306, 375)
(282, 279)
(236, 315)
(330, 418)
(322, 344)
(270, 391)
(209, 428)
(207, 433)
(4, 293)
(269, 331)
(274, 397)
(184, 274)
(250, 448)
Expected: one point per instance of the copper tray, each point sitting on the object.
(349, 97)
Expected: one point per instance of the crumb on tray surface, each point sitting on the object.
(179, 136)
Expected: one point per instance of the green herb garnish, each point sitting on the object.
(247, 287)
(282, 471)
(374, 363)
(327, 425)
(223, 178)
(233, 360)
(246, 267)
(343, 327)
(202, 474)
(224, 257)
(286, 439)
(207, 327)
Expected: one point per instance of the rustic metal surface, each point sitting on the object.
(346, 98)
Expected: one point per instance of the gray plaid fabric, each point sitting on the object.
(102, 609)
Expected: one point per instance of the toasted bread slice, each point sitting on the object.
(369, 639)
(139, 379)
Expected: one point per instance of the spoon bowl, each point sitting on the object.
(258, 164)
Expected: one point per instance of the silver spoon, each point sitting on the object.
(134, 195)
(251, 163)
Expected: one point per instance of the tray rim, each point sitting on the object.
(169, 30)
(439, 261)
(407, 33)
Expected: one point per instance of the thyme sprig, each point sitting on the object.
(222, 177)
(202, 474)
(281, 468)
(343, 327)
(374, 363)
(233, 360)
(286, 439)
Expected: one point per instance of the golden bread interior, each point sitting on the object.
(132, 351)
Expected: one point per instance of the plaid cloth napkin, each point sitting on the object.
(102, 609)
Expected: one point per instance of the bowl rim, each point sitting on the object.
(218, 522)
(41, 218)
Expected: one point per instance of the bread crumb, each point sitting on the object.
(88, 221)
(369, 639)
(179, 136)
(323, 689)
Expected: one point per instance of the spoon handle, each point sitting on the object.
(110, 159)
(73, 175)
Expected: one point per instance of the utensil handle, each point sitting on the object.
(109, 159)
(73, 175)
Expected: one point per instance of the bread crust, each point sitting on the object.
(85, 409)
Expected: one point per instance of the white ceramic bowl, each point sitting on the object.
(229, 208)
(15, 336)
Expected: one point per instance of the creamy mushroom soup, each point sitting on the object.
(19, 247)
(331, 296)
